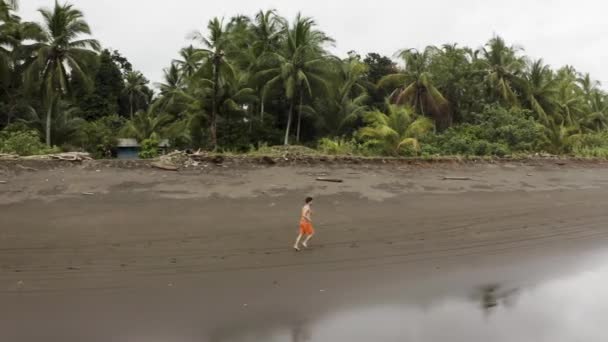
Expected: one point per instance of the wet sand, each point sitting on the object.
(204, 255)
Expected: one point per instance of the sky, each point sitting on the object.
(151, 32)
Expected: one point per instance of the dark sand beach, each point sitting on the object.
(99, 253)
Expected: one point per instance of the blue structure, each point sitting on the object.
(129, 148)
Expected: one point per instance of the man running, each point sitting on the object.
(306, 228)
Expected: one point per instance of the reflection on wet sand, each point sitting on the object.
(494, 295)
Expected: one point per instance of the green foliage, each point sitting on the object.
(100, 137)
(264, 79)
(343, 146)
(23, 143)
(396, 133)
(495, 131)
(149, 148)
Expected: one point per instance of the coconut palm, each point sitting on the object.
(135, 89)
(189, 63)
(502, 67)
(540, 90)
(349, 98)
(415, 88)
(216, 43)
(6, 7)
(299, 67)
(17, 46)
(596, 118)
(570, 98)
(62, 52)
(65, 125)
(396, 132)
(147, 124)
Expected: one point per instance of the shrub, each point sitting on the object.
(149, 148)
(23, 143)
(101, 136)
(496, 131)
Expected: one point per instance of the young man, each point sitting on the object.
(306, 228)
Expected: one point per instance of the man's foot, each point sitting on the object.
(296, 248)
(305, 245)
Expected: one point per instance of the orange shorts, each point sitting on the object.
(306, 228)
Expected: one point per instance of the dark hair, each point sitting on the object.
(308, 200)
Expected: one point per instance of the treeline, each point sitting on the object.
(245, 82)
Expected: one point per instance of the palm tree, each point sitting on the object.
(147, 124)
(267, 35)
(502, 67)
(396, 132)
(135, 89)
(570, 98)
(596, 118)
(348, 101)
(416, 88)
(65, 127)
(60, 53)
(216, 42)
(299, 67)
(540, 90)
(267, 32)
(6, 7)
(17, 46)
(189, 63)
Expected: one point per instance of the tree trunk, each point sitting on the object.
(299, 118)
(289, 119)
(131, 105)
(262, 111)
(47, 127)
(213, 119)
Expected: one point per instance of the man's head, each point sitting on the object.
(308, 200)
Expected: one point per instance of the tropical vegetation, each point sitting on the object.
(264, 80)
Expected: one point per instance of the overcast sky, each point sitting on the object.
(150, 32)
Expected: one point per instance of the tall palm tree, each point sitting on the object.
(596, 118)
(267, 35)
(66, 125)
(349, 97)
(397, 131)
(415, 88)
(135, 89)
(147, 124)
(502, 67)
(299, 67)
(214, 54)
(17, 46)
(189, 63)
(540, 90)
(62, 52)
(6, 7)
(570, 98)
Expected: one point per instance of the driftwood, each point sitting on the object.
(331, 180)
(88, 193)
(3, 182)
(164, 166)
(457, 178)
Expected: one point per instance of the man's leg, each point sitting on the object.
(297, 242)
(305, 243)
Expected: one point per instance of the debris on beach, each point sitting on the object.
(330, 180)
(165, 166)
(3, 182)
(457, 178)
(88, 193)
